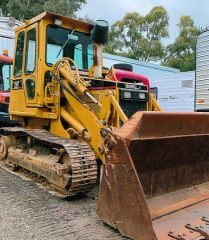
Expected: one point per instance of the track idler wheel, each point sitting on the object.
(5, 143)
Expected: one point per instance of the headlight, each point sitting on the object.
(127, 94)
(142, 96)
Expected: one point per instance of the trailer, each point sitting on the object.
(175, 91)
(7, 35)
(202, 73)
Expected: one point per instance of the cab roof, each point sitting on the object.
(67, 20)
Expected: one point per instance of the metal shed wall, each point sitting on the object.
(7, 35)
(175, 91)
(202, 72)
(144, 68)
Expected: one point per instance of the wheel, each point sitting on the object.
(3, 149)
(65, 160)
(5, 143)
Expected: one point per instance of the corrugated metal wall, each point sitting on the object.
(202, 72)
(7, 26)
(7, 43)
(144, 68)
(175, 91)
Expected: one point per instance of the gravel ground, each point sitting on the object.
(28, 212)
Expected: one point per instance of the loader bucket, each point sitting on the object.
(157, 165)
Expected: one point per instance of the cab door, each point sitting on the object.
(30, 74)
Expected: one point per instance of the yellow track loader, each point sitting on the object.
(154, 166)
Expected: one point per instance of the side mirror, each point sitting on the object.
(72, 37)
(99, 33)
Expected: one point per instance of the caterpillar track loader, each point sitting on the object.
(155, 165)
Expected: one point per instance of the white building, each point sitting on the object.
(143, 68)
(7, 35)
(175, 91)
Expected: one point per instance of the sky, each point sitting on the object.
(113, 10)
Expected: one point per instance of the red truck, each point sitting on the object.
(135, 102)
(5, 75)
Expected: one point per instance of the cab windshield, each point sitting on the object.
(5, 75)
(61, 42)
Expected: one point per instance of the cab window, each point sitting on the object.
(61, 42)
(19, 54)
(90, 55)
(78, 57)
(30, 88)
(6, 75)
(30, 51)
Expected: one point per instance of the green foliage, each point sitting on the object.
(181, 53)
(135, 36)
(139, 37)
(26, 9)
(3, 6)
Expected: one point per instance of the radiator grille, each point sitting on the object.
(130, 108)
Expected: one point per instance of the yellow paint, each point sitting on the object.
(78, 112)
(153, 105)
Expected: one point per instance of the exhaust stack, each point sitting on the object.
(99, 35)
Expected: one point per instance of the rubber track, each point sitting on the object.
(84, 166)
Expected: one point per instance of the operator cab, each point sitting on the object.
(44, 40)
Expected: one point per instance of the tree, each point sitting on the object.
(181, 53)
(26, 9)
(139, 37)
(3, 6)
